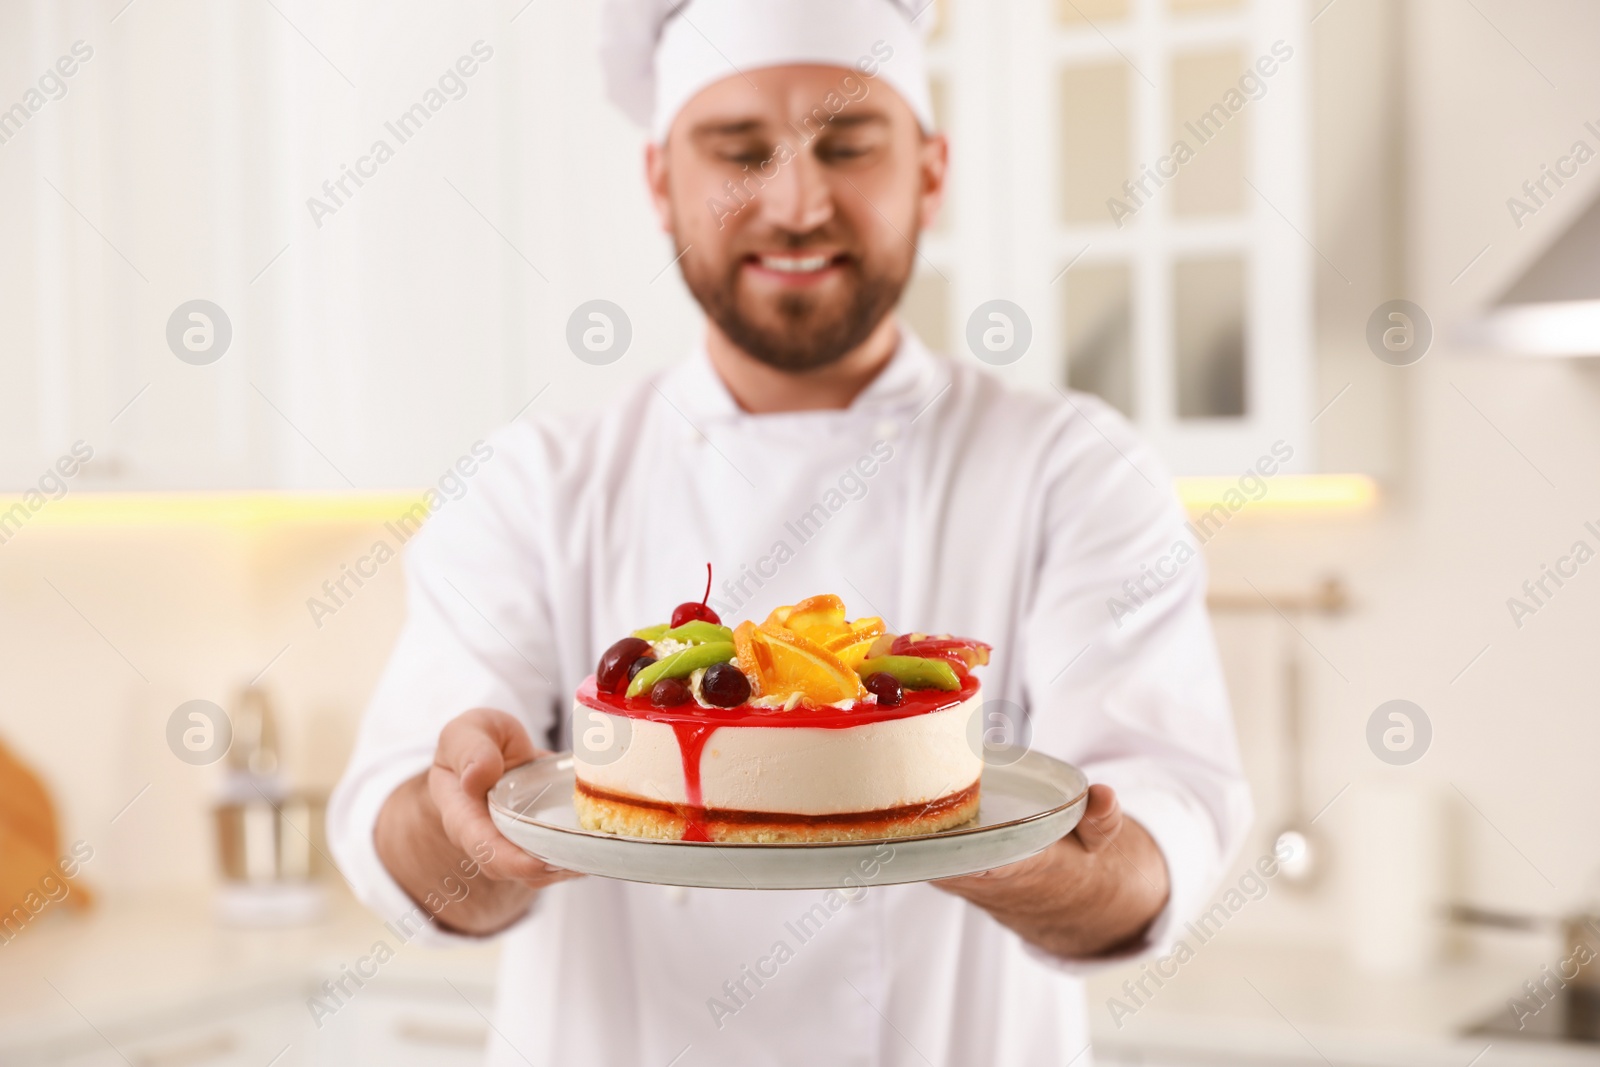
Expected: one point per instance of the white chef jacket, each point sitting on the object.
(942, 501)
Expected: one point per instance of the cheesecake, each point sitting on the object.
(803, 728)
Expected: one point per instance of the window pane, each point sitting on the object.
(1082, 12)
(1094, 140)
(1208, 338)
(926, 308)
(1208, 115)
(1098, 313)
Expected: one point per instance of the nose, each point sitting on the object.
(799, 198)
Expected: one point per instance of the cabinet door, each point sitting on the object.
(424, 1026)
(170, 295)
(278, 1034)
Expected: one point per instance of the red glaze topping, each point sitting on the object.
(916, 702)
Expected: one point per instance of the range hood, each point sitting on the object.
(1553, 309)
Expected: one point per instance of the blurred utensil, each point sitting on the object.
(270, 840)
(269, 837)
(1297, 844)
(1301, 850)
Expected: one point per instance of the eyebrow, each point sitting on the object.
(737, 127)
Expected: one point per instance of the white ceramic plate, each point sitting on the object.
(1025, 806)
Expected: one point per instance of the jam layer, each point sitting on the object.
(934, 807)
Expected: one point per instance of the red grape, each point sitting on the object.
(612, 673)
(885, 686)
(669, 691)
(724, 685)
(639, 664)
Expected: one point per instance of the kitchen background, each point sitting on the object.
(1440, 152)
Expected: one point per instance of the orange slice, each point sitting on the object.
(752, 655)
(852, 645)
(785, 663)
(815, 617)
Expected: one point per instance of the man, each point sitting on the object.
(811, 444)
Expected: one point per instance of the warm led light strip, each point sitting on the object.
(1281, 492)
(1284, 492)
(263, 508)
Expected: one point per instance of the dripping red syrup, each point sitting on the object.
(693, 725)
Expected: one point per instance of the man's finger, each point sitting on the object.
(481, 733)
(1102, 819)
(467, 823)
(474, 750)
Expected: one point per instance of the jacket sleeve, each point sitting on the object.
(478, 634)
(1122, 674)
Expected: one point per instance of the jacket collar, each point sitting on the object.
(911, 378)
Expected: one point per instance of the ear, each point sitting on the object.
(656, 178)
(934, 166)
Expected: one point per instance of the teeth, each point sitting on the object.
(794, 264)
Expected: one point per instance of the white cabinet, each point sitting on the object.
(210, 1035)
(393, 1024)
(367, 348)
(426, 1026)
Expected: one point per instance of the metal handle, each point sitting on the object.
(422, 1033)
(1472, 915)
(201, 1051)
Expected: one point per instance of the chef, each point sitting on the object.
(808, 443)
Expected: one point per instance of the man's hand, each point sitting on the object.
(435, 836)
(1092, 892)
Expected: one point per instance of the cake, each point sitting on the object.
(805, 727)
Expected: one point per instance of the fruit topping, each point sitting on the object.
(885, 687)
(680, 665)
(853, 645)
(915, 672)
(814, 618)
(724, 685)
(820, 620)
(697, 632)
(806, 653)
(962, 653)
(783, 663)
(612, 672)
(690, 610)
(880, 646)
(668, 692)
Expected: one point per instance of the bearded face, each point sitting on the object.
(796, 226)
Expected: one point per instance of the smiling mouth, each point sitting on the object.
(796, 268)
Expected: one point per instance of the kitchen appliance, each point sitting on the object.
(270, 849)
(1553, 308)
(1562, 1001)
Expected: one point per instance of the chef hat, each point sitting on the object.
(657, 54)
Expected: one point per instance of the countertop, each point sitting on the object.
(131, 959)
(134, 958)
(1286, 1006)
